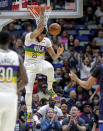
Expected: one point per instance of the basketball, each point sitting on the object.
(54, 29)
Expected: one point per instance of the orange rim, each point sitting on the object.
(37, 9)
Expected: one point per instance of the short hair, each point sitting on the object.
(49, 109)
(4, 38)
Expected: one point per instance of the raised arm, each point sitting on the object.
(40, 26)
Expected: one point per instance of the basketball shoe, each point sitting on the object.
(29, 118)
(53, 95)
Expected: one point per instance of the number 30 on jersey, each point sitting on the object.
(6, 74)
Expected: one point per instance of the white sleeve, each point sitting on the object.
(27, 39)
(48, 42)
(42, 111)
(60, 112)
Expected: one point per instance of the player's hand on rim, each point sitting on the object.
(42, 8)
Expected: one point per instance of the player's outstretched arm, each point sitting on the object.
(53, 54)
(22, 75)
(85, 84)
(40, 26)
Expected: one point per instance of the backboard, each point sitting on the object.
(17, 9)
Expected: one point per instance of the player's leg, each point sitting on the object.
(9, 113)
(28, 96)
(48, 70)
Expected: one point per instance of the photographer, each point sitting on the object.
(50, 122)
(73, 122)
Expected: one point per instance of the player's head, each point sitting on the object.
(51, 102)
(4, 38)
(42, 35)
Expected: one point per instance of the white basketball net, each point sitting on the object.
(37, 16)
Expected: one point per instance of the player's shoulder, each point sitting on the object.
(57, 108)
(13, 54)
(43, 108)
(47, 39)
(28, 35)
(11, 51)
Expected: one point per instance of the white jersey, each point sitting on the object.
(42, 112)
(34, 50)
(9, 66)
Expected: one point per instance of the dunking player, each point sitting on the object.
(36, 44)
(97, 73)
(11, 68)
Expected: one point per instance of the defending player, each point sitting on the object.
(97, 73)
(36, 44)
(11, 68)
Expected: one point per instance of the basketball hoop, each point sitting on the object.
(35, 12)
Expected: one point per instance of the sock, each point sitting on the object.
(28, 100)
(49, 85)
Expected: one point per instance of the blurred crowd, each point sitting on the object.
(82, 39)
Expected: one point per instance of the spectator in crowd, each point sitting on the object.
(55, 42)
(71, 40)
(14, 34)
(72, 100)
(78, 48)
(22, 113)
(50, 122)
(42, 111)
(94, 100)
(44, 101)
(58, 63)
(64, 108)
(87, 115)
(28, 30)
(72, 56)
(35, 102)
(70, 53)
(58, 74)
(38, 84)
(82, 94)
(88, 51)
(65, 79)
(86, 66)
(69, 85)
(95, 125)
(20, 99)
(99, 40)
(99, 12)
(64, 39)
(90, 18)
(57, 87)
(20, 47)
(73, 122)
(43, 92)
